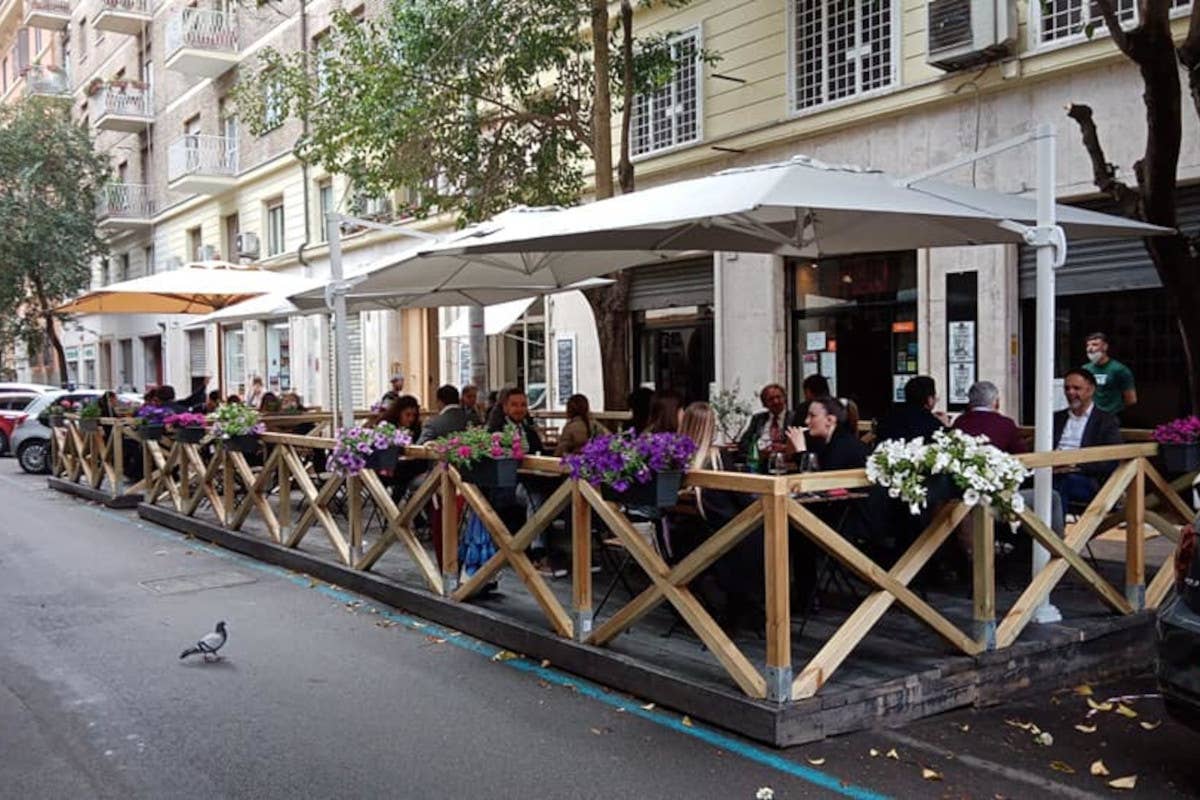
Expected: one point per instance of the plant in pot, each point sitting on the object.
(238, 427)
(954, 464)
(360, 448)
(645, 470)
(732, 410)
(487, 459)
(1179, 444)
(89, 417)
(187, 427)
(151, 421)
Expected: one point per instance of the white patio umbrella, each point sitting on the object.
(267, 306)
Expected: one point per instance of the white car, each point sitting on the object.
(33, 388)
(31, 439)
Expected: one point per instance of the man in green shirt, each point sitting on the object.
(1114, 381)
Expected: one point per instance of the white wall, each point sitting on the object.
(570, 314)
(751, 321)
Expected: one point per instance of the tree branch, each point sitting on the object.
(1189, 55)
(1113, 23)
(1104, 173)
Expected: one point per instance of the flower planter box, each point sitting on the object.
(1179, 459)
(384, 459)
(190, 435)
(661, 491)
(151, 433)
(90, 425)
(247, 444)
(492, 473)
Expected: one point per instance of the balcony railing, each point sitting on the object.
(122, 106)
(123, 16)
(46, 81)
(202, 41)
(125, 204)
(52, 15)
(202, 163)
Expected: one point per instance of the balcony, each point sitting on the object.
(49, 15)
(202, 42)
(124, 207)
(125, 106)
(124, 16)
(47, 81)
(202, 164)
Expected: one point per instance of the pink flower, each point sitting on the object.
(464, 452)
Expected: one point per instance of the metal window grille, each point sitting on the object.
(670, 115)
(842, 48)
(1066, 19)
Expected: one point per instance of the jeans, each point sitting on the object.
(1076, 488)
(1057, 521)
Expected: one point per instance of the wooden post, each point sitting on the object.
(779, 611)
(354, 495)
(285, 497)
(185, 488)
(1135, 539)
(581, 564)
(227, 482)
(118, 456)
(449, 498)
(983, 547)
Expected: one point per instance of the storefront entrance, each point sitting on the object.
(854, 321)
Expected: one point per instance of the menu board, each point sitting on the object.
(564, 364)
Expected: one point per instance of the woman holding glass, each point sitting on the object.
(827, 443)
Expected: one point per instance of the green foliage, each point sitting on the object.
(470, 106)
(50, 175)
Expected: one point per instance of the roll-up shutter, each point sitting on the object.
(354, 334)
(1107, 265)
(680, 283)
(197, 356)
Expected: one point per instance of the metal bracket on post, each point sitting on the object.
(985, 633)
(779, 684)
(1136, 595)
(449, 583)
(582, 620)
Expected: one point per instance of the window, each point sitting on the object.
(1072, 19)
(274, 108)
(81, 38)
(275, 229)
(840, 49)
(323, 53)
(325, 200)
(123, 267)
(195, 241)
(148, 260)
(670, 116)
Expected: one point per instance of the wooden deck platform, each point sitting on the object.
(900, 672)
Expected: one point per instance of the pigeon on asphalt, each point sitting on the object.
(209, 645)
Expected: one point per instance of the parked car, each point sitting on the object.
(11, 406)
(30, 439)
(33, 388)
(1177, 634)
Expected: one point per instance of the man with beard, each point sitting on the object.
(1082, 424)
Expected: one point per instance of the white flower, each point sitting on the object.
(971, 497)
(1018, 503)
(765, 793)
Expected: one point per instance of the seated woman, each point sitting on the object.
(404, 412)
(830, 441)
(686, 526)
(580, 427)
(270, 404)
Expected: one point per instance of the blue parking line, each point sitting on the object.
(551, 675)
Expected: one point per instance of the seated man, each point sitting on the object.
(915, 418)
(984, 419)
(769, 428)
(1081, 425)
(451, 417)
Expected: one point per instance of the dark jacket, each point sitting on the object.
(1102, 428)
(908, 422)
(761, 420)
(532, 437)
(1000, 430)
(842, 451)
(452, 419)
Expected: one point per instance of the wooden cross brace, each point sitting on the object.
(399, 527)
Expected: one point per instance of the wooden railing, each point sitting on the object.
(202, 479)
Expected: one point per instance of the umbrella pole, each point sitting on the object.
(341, 347)
(220, 361)
(1044, 372)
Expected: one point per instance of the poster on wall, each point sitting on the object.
(464, 363)
(814, 340)
(564, 364)
(962, 375)
(961, 344)
(809, 364)
(898, 382)
(829, 370)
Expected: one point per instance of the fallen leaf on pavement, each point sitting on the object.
(1025, 726)
(892, 754)
(930, 775)
(1128, 782)
(1086, 728)
(1083, 690)
(765, 793)
(1098, 769)
(505, 655)
(1099, 706)
(873, 753)
(687, 721)
(1061, 766)
(648, 707)
(1126, 711)
(816, 762)
(546, 685)
(545, 663)
(1149, 726)
(964, 728)
(1044, 738)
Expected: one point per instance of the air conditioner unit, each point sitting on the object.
(247, 245)
(207, 252)
(967, 33)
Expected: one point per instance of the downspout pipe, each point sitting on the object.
(303, 163)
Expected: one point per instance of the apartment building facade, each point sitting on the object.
(856, 81)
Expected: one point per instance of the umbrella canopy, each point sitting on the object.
(800, 207)
(201, 287)
(268, 306)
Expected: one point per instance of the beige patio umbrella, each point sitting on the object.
(201, 287)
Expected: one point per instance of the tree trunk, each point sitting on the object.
(625, 164)
(610, 306)
(602, 103)
(60, 354)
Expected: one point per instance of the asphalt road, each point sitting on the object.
(324, 695)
